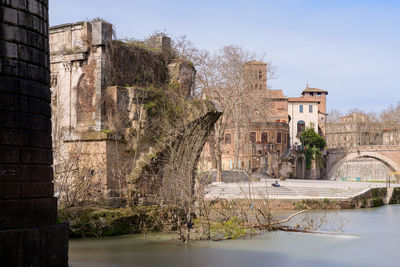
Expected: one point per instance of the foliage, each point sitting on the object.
(314, 144)
(230, 229)
(134, 64)
(96, 222)
(310, 139)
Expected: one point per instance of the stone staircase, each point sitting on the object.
(241, 191)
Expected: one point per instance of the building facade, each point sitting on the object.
(303, 112)
(358, 129)
(319, 95)
(263, 134)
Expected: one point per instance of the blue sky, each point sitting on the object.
(350, 48)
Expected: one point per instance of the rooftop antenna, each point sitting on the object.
(306, 84)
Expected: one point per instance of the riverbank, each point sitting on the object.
(102, 221)
(369, 238)
(219, 218)
(230, 209)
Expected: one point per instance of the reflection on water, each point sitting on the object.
(370, 238)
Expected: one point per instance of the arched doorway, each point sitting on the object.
(300, 167)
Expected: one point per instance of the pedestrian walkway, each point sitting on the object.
(290, 189)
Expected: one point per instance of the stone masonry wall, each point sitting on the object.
(365, 169)
(28, 210)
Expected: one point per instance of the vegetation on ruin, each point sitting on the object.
(134, 64)
(314, 144)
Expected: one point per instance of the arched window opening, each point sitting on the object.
(301, 126)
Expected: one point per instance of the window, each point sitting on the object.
(279, 138)
(260, 75)
(318, 93)
(284, 138)
(227, 139)
(252, 137)
(256, 86)
(301, 108)
(310, 108)
(301, 126)
(264, 137)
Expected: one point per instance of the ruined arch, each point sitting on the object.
(385, 160)
(300, 167)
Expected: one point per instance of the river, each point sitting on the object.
(369, 238)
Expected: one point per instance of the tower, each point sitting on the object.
(320, 95)
(256, 74)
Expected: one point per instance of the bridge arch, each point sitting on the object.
(385, 160)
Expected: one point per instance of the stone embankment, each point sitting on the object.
(343, 194)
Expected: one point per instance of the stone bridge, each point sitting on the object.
(389, 155)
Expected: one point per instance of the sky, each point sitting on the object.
(348, 47)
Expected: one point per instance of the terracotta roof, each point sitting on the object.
(276, 93)
(317, 90)
(256, 62)
(303, 99)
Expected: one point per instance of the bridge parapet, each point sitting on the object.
(364, 148)
(387, 154)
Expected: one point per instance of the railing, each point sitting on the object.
(364, 148)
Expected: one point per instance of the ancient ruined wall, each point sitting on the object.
(99, 94)
(29, 235)
(78, 63)
(184, 73)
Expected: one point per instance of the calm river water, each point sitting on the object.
(371, 237)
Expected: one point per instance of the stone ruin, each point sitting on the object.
(98, 101)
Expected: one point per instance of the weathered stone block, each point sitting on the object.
(8, 67)
(35, 89)
(36, 190)
(44, 246)
(8, 84)
(22, 69)
(20, 213)
(9, 101)
(36, 40)
(19, 4)
(23, 18)
(9, 155)
(101, 33)
(8, 119)
(34, 122)
(9, 190)
(12, 33)
(41, 173)
(13, 172)
(39, 139)
(13, 137)
(35, 105)
(33, 7)
(9, 15)
(36, 156)
(8, 49)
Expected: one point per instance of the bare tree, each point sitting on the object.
(222, 77)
